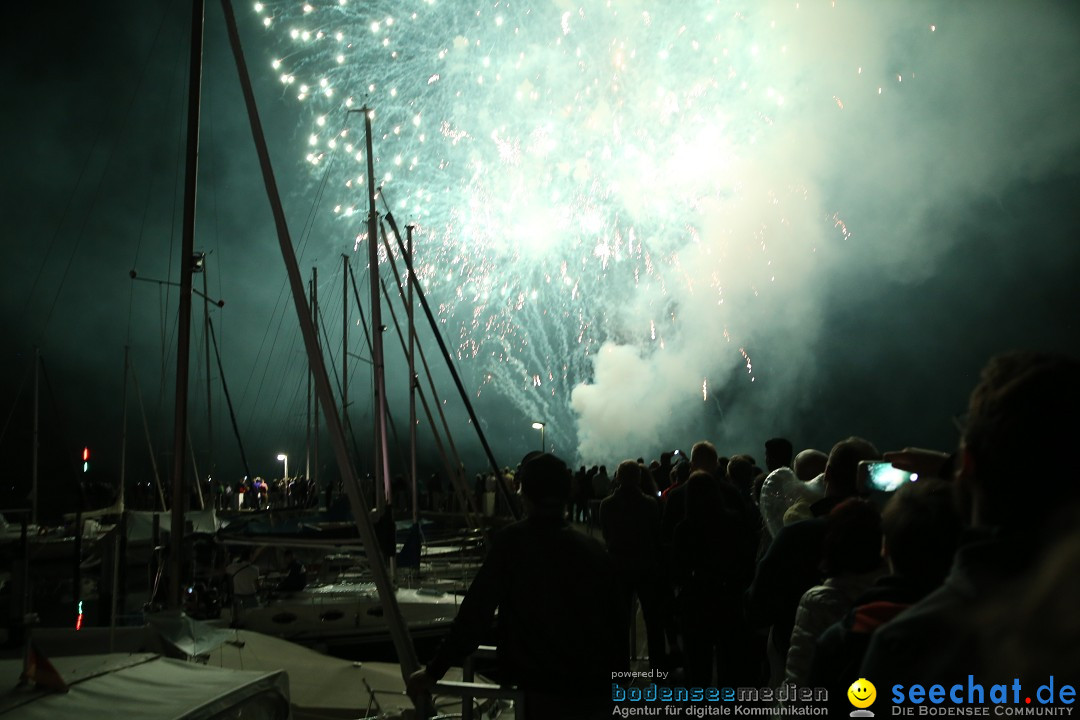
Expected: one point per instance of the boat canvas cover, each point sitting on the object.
(186, 635)
(140, 523)
(147, 686)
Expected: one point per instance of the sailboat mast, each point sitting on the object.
(123, 430)
(406, 652)
(412, 390)
(187, 250)
(307, 438)
(382, 471)
(121, 528)
(210, 471)
(318, 344)
(501, 483)
(37, 440)
(345, 342)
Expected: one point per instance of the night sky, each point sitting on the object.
(915, 237)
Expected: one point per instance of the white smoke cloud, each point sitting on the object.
(894, 117)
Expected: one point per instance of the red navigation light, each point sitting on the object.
(85, 454)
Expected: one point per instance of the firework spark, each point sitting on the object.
(577, 176)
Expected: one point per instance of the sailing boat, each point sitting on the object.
(391, 614)
(391, 611)
(345, 608)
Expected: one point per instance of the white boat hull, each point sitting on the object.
(348, 613)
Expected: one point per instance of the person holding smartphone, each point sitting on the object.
(1018, 491)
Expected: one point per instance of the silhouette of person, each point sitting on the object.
(630, 522)
(921, 529)
(561, 628)
(243, 579)
(778, 453)
(712, 560)
(1015, 473)
(295, 574)
(790, 566)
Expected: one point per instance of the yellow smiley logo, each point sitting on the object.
(862, 693)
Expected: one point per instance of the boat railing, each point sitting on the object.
(469, 690)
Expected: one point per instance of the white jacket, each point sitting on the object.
(820, 607)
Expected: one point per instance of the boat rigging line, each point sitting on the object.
(228, 398)
(455, 472)
(500, 480)
(403, 644)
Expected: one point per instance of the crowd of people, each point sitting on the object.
(791, 571)
(260, 494)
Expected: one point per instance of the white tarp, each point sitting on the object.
(141, 523)
(146, 686)
(188, 636)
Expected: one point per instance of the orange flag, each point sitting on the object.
(38, 670)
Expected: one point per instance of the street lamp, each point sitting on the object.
(540, 426)
(285, 459)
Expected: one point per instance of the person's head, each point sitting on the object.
(703, 503)
(755, 489)
(703, 456)
(545, 483)
(1022, 416)
(628, 475)
(649, 486)
(778, 453)
(842, 469)
(921, 529)
(740, 471)
(852, 543)
(809, 464)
